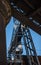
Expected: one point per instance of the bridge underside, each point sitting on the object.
(26, 11)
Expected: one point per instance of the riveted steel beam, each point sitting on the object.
(24, 20)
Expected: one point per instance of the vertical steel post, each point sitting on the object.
(2, 42)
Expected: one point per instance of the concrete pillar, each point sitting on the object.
(2, 42)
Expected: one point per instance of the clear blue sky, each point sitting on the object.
(36, 37)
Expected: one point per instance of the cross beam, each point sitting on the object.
(36, 15)
(24, 20)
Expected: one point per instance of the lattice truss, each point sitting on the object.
(16, 46)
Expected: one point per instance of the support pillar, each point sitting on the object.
(2, 42)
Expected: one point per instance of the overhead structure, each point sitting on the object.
(28, 12)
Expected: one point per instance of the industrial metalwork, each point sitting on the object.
(28, 12)
(16, 47)
(5, 14)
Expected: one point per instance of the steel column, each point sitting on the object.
(2, 42)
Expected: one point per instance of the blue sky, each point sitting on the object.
(36, 37)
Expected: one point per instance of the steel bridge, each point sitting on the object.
(28, 12)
